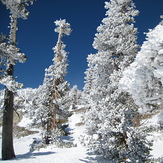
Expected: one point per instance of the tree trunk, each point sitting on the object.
(7, 130)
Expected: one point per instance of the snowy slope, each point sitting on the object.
(50, 154)
(69, 155)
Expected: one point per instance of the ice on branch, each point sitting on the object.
(17, 7)
(12, 52)
(10, 83)
(62, 25)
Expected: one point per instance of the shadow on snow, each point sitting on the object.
(30, 155)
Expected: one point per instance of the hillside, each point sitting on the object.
(77, 154)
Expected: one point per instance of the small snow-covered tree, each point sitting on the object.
(110, 111)
(143, 79)
(54, 102)
(10, 54)
(76, 96)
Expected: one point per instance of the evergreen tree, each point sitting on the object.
(110, 111)
(54, 102)
(115, 41)
(143, 79)
(76, 96)
(11, 54)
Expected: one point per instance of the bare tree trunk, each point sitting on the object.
(7, 130)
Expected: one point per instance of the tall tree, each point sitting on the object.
(55, 100)
(17, 10)
(115, 41)
(110, 110)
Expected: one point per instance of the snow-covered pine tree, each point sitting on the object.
(110, 111)
(116, 28)
(76, 96)
(10, 53)
(54, 102)
(143, 79)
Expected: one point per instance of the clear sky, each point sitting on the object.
(36, 36)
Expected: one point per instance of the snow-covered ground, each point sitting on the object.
(69, 155)
(157, 137)
(51, 154)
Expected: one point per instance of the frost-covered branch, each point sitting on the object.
(10, 83)
(62, 25)
(12, 52)
(62, 28)
(17, 7)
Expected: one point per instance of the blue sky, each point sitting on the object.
(36, 36)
